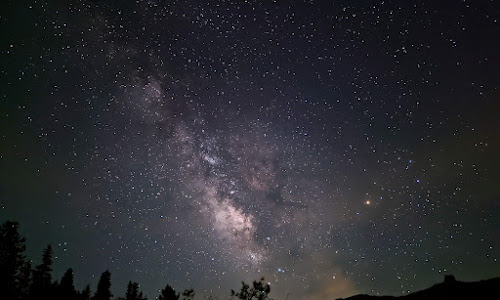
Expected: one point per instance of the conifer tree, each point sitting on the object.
(25, 280)
(85, 293)
(141, 296)
(11, 259)
(132, 291)
(168, 293)
(42, 275)
(103, 291)
(66, 289)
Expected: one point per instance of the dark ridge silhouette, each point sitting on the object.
(450, 289)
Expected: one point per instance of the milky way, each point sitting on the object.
(332, 148)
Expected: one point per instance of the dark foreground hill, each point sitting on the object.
(450, 289)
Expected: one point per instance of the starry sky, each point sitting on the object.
(333, 147)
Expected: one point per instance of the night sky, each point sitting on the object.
(333, 147)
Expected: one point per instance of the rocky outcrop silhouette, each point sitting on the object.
(450, 289)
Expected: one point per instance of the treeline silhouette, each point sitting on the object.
(19, 280)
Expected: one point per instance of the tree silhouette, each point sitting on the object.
(258, 291)
(133, 292)
(25, 280)
(42, 275)
(188, 294)
(66, 288)
(141, 296)
(168, 293)
(19, 281)
(103, 287)
(11, 259)
(85, 293)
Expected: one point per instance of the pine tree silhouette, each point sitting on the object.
(168, 293)
(103, 291)
(11, 259)
(25, 280)
(84, 294)
(141, 296)
(42, 275)
(133, 292)
(66, 288)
